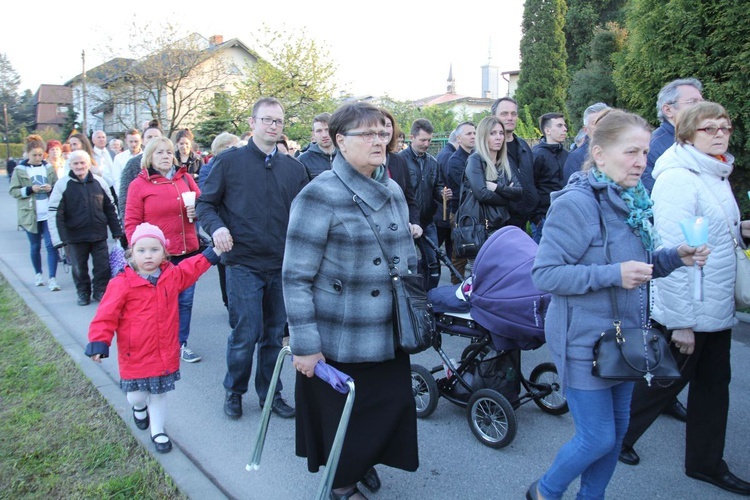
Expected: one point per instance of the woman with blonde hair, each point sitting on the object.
(489, 177)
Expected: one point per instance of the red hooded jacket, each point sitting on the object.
(145, 317)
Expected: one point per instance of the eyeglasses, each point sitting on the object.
(370, 136)
(689, 102)
(270, 121)
(712, 130)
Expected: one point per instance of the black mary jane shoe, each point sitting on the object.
(370, 480)
(141, 423)
(162, 447)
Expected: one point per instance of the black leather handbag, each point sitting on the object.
(413, 321)
(632, 353)
(469, 231)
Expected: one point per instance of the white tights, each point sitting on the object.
(157, 410)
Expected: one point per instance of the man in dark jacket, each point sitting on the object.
(428, 193)
(81, 208)
(442, 221)
(521, 160)
(467, 136)
(549, 159)
(244, 206)
(575, 160)
(673, 97)
(319, 156)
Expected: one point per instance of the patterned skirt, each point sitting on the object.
(154, 385)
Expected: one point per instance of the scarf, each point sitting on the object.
(639, 204)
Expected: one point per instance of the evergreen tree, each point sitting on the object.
(582, 20)
(543, 82)
(678, 39)
(594, 82)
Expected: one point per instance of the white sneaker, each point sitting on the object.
(38, 279)
(53, 286)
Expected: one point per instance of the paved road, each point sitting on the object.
(212, 451)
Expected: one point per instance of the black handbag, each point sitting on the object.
(631, 353)
(469, 231)
(413, 321)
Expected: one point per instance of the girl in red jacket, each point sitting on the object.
(140, 304)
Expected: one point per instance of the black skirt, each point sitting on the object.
(382, 427)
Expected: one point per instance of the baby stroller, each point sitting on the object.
(502, 315)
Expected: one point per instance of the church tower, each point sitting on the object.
(490, 77)
(451, 81)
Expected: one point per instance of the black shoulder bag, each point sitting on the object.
(413, 321)
(631, 353)
(469, 231)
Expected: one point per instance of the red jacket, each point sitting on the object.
(157, 200)
(146, 318)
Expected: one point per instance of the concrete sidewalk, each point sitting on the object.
(211, 451)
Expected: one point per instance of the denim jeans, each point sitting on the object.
(536, 230)
(185, 305)
(601, 420)
(429, 266)
(35, 241)
(257, 315)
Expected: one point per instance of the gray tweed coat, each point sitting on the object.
(336, 285)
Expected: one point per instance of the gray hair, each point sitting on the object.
(594, 108)
(79, 153)
(223, 141)
(453, 137)
(669, 94)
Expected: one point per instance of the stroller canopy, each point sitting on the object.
(503, 298)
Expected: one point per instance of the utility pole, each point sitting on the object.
(83, 94)
(7, 132)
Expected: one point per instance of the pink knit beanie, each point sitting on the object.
(146, 230)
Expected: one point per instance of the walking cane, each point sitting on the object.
(339, 381)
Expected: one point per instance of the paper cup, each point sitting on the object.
(188, 197)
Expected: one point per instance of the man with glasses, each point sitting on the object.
(428, 193)
(244, 206)
(673, 97)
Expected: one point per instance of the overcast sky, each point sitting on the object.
(395, 47)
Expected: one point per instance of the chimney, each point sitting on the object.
(215, 40)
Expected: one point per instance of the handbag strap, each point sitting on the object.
(392, 269)
(608, 258)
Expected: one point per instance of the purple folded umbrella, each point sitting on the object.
(335, 378)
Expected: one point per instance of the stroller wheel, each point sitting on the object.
(425, 390)
(545, 375)
(491, 418)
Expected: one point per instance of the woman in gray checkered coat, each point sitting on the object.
(338, 299)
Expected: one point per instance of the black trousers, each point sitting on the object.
(708, 371)
(79, 261)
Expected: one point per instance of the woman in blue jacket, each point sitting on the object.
(580, 273)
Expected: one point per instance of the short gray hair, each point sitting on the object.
(79, 154)
(454, 136)
(594, 108)
(669, 94)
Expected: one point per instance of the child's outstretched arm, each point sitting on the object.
(189, 270)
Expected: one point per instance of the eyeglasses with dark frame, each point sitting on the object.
(370, 136)
(713, 130)
(267, 120)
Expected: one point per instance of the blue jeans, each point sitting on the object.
(185, 306)
(536, 230)
(601, 420)
(35, 241)
(429, 266)
(257, 315)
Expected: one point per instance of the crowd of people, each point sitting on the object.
(297, 256)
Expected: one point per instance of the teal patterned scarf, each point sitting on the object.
(639, 203)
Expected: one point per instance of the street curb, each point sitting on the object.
(189, 477)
